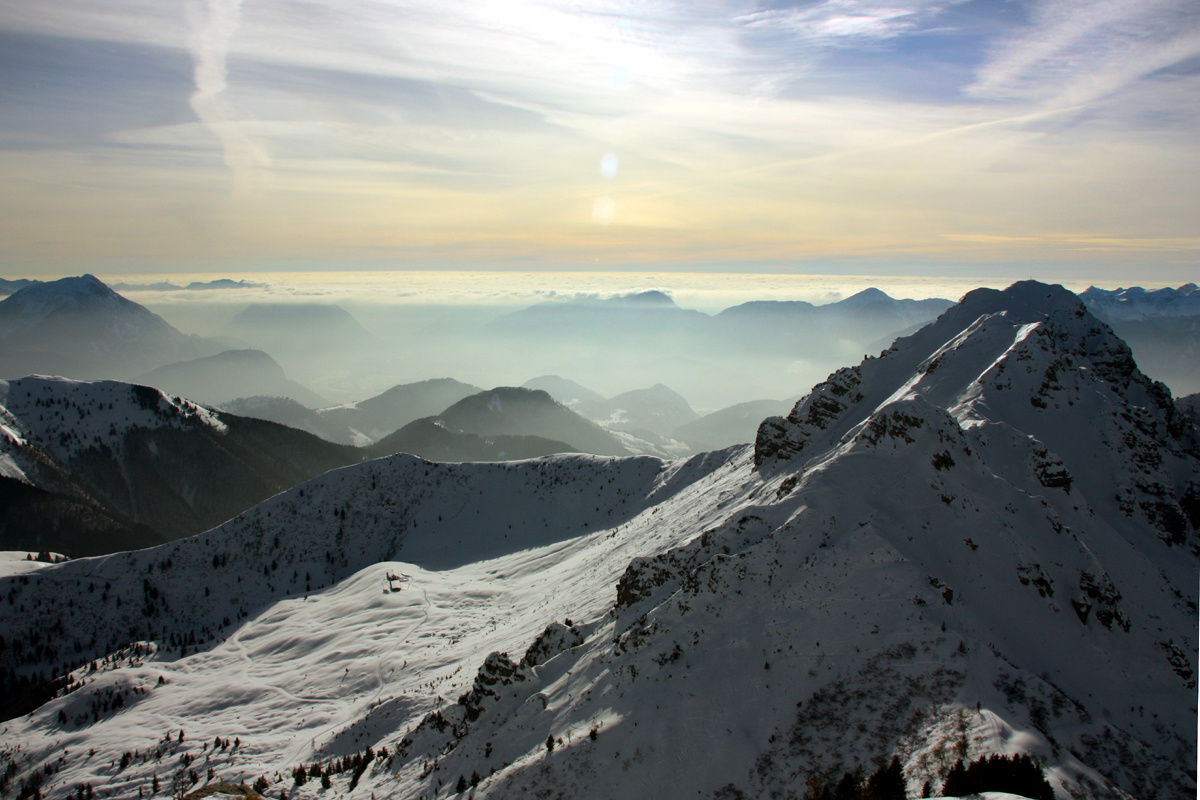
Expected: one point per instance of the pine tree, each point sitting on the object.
(848, 787)
(956, 781)
(887, 782)
(461, 786)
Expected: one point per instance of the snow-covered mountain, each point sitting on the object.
(1139, 303)
(43, 508)
(81, 328)
(149, 457)
(983, 541)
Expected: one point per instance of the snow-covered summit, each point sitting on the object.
(171, 465)
(1137, 303)
(1027, 364)
(66, 417)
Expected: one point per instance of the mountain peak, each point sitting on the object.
(1029, 358)
(866, 297)
(80, 327)
(1137, 303)
(645, 299)
(65, 293)
(1028, 301)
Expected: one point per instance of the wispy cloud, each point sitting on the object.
(1074, 52)
(216, 23)
(846, 22)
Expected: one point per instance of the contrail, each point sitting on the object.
(210, 48)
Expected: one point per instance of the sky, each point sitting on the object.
(957, 138)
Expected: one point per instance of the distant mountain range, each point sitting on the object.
(1162, 326)
(729, 426)
(437, 440)
(287, 411)
(662, 420)
(229, 375)
(645, 339)
(296, 329)
(867, 315)
(80, 328)
(7, 287)
(10, 286)
(621, 318)
(385, 413)
(1136, 303)
(517, 411)
(583, 401)
(194, 286)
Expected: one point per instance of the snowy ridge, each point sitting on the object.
(66, 417)
(155, 466)
(1138, 303)
(384, 506)
(1032, 368)
(11, 442)
(984, 541)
